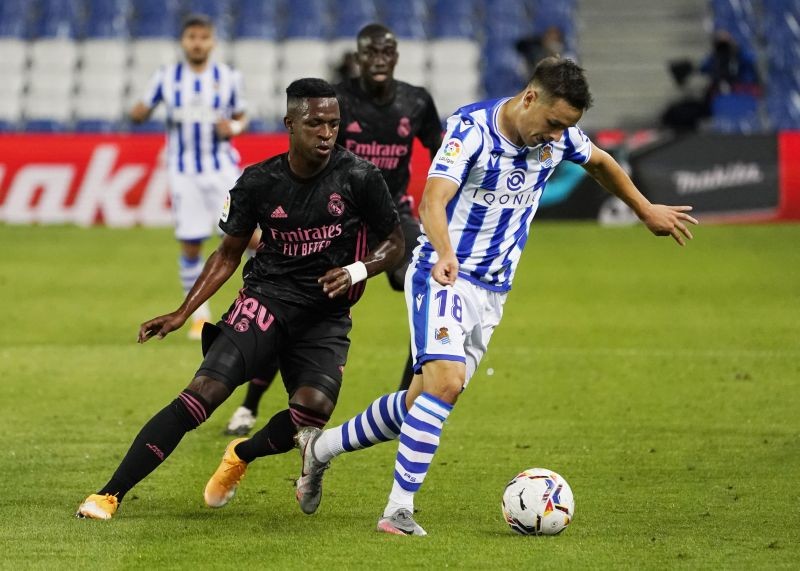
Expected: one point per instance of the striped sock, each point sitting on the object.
(189, 271)
(419, 439)
(380, 422)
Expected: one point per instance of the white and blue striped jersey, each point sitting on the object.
(194, 103)
(500, 185)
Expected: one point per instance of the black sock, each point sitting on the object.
(156, 440)
(258, 386)
(276, 437)
(408, 374)
(304, 416)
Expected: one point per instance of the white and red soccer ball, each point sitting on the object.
(538, 502)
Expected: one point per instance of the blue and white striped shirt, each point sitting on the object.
(194, 103)
(500, 185)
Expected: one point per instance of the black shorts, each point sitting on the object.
(310, 346)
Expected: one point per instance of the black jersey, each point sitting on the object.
(308, 226)
(383, 134)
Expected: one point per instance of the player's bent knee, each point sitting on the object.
(316, 391)
(444, 379)
(213, 391)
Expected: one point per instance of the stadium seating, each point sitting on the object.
(257, 60)
(256, 19)
(407, 19)
(454, 56)
(739, 18)
(155, 19)
(107, 19)
(80, 64)
(735, 113)
(60, 19)
(782, 33)
(16, 19)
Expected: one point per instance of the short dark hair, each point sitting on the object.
(196, 20)
(372, 30)
(564, 79)
(309, 87)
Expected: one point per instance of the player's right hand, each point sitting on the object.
(445, 270)
(160, 326)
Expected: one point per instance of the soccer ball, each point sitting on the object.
(538, 502)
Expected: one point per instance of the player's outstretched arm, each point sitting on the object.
(660, 219)
(385, 256)
(432, 213)
(140, 112)
(218, 268)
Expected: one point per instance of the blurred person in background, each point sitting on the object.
(205, 110)
(727, 69)
(381, 117)
(551, 43)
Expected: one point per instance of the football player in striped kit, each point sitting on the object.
(483, 190)
(205, 110)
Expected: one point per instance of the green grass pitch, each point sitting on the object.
(662, 382)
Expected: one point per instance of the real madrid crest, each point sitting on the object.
(336, 205)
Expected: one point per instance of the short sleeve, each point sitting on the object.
(376, 205)
(463, 142)
(430, 133)
(578, 147)
(154, 93)
(238, 102)
(238, 217)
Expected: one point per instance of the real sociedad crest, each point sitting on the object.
(546, 155)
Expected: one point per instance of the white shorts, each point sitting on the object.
(197, 200)
(452, 323)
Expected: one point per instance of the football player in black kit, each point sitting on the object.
(381, 116)
(314, 206)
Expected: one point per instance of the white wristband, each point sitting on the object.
(357, 271)
(236, 127)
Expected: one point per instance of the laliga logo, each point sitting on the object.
(515, 180)
(452, 148)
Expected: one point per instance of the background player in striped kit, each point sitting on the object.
(381, 117)
(482, 192)
(205, 109)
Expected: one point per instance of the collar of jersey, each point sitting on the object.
(496, 128)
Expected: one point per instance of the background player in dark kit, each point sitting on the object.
(314, 205)
(381, 116)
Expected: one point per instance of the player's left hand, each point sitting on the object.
(160, 326)
(224, 129)
(335, 282)
(664, 220)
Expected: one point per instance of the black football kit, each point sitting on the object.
(384, 134)
(308, 226)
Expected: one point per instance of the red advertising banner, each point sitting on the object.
(789, 175)
(118, 180)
